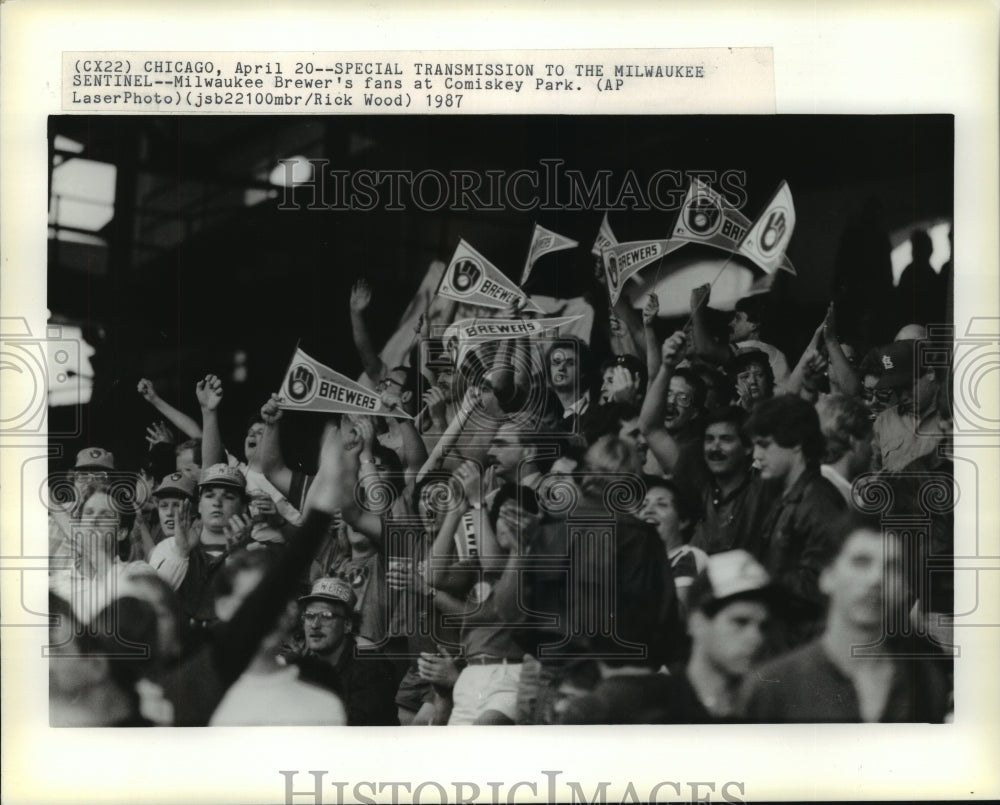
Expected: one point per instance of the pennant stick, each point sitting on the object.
(687, 324)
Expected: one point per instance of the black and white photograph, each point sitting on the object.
(623, 376)
(501, 420)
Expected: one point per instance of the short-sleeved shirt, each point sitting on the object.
(899, 439)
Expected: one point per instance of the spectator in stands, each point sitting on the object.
(788, 446)
(852, 672)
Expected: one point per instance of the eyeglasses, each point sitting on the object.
(322, 617)
(383, 384)
(91, 477)
(882, 395)
(680, 398)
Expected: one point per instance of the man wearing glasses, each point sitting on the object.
(912, 427)
(367, 680)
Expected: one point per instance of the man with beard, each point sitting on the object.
(671, 411)
(912, 428)
(734, 498)
(852, 672)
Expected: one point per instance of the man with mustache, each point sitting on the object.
(672, 410)
(734, 498)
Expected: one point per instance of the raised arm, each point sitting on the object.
(361, 297)
(178, 419)
(268, 459)
(843, 377)
(649, 315)
(663, 445)
(705, 346)
(209, 393)
(625, 327)
(796, 378)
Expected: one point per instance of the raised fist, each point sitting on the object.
(147, 391)
(651, 310)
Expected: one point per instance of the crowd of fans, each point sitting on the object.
(693, 530)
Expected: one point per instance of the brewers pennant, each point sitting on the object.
(706, 217)
(768, 238)
(311, 386)
(605, 238)
(627, 259)
(500, 329)
(543, 241)
(466, 334)
(473, 279)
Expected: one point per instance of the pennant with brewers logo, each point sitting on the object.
(768, 238)
(626, 259)
(605, 238)
(466, 334)
(543, 241)
(500, 329)
(311, 386)
(706, 217)
(473, 279)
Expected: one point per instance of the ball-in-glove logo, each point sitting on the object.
(301, 385)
